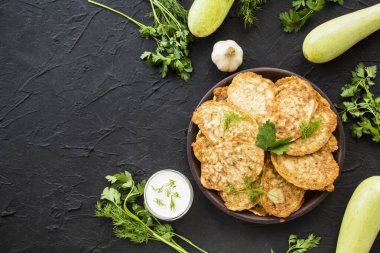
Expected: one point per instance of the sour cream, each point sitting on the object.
(168, 195)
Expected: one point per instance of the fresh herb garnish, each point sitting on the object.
(297, 245)
(131, 220)
(248, 11)
(266, 139)
(295, 19)
(159, 202)
(168, 189)
(308, 130)
(170, 32)
(361, 103)
(254, 191)
(230, 118)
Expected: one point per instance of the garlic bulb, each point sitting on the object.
(227, 55)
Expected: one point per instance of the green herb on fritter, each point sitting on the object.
(266, 139)
(295, 19)
(298, 245)
(361, 104)
(171, 34)
(308, 130)
(255, 193)
(253, 190)
(120, 203)
(230, 118)
(248, 11)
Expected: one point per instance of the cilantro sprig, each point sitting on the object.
(120, 203)
(296, 18)
(169, 31)
(299, 245)
(361, 104)
(266, 139)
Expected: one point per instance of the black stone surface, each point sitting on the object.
(77, 103)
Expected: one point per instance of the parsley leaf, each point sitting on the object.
(308, 130)
(293, 21)
(111, 194)
(266, 139)
(123, 180)
(361, 104)
(296, 18)
(298, 245)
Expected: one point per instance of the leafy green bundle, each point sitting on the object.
(171, 34)
(361, 103)
(295, 19)
(298, 245)
(119, 202)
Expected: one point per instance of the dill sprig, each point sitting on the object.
(159, 202)
(251, 188)
(248, 11)
(168, 190)
(230, 118)
(308, 130)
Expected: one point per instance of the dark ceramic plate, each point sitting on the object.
(312, 198)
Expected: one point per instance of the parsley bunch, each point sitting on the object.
(298, 245)
(361, 104)
(119, 202)
(248, 11)
(295, 19)
(171, 34)
(266, 139)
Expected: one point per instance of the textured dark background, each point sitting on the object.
(77, 103)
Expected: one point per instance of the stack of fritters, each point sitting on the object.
(233, 165)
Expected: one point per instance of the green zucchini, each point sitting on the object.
(205, 16)
(361, 221)
(333, 38)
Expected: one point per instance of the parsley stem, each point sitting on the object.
(117, 12)
(190, 242)
(154, 13)
(163, 8)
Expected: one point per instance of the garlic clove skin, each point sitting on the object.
(227, 55)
